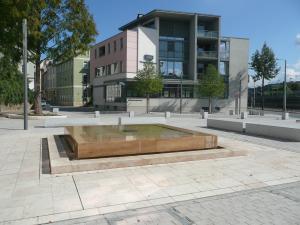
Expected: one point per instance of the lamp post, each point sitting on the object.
(284, 111)
(181, 93)
(24, 28)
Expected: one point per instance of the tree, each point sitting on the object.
(57, 30)
(148, 82)
(11, 82)
(211, 85)
(265, 66)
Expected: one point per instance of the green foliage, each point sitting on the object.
(11, 82)
(57, 30)
(212, 84)
(148, 81)
(264, 64)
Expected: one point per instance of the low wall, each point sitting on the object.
(11, 108)
(142, 120)
(229, 125)
(173, 104)
(285, 133)
(79, 122)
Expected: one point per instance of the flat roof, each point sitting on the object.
(160, 12)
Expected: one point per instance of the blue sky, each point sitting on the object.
(275, 21)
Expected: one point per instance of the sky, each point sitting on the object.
(276, 22)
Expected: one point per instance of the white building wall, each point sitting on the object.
(147, 44)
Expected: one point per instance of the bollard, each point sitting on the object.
(131, 114)
(285, 115)
(167, 114)
(244, 115)
(55, 110)
(97, 114)
(204, 115)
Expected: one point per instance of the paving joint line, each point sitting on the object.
(78, 193)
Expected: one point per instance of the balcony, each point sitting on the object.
(207, 54)
(224, 55)
(208, 34)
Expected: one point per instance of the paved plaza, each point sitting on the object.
(261, 187)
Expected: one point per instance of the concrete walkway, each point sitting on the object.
(275, 205)
(27, 196)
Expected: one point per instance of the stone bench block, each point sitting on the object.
(229, 125)
(285, 133)
(77, 122)
(55, 110)
(142, 120)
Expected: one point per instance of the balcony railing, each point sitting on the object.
(208, 54)
(208, 34)
(224, 56)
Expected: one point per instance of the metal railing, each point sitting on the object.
(208, 54)
(208, 34)
(224, 56)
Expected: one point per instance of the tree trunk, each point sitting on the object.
(37, 89)
(209, 105)
(262, 94)
(147, 107)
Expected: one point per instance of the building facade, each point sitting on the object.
(181, 45)
(67, 83)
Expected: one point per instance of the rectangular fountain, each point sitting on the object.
(123, 140)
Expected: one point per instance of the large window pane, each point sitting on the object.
(178, 68)
(163, 68)
(170, 68)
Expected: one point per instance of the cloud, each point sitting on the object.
(298, 39)
(293, 71)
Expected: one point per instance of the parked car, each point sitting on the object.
(45, 105)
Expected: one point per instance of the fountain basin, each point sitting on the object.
(121, 140)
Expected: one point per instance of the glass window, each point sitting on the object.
(222, 68)
(121, 67)
(97, 72)
(171, 46)
(108, 69)
(115, 68)
(101, 51)
(108, 48)
(115, 46)
(200, 68)
(102, 70)
(113, 93)
(178, 69)
(170, 68)
(178, 46)
(163, 68)
(121, 43)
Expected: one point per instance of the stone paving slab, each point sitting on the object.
(259, 206)
(28, 196)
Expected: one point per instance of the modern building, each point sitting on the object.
(67, 83)
(181, 45)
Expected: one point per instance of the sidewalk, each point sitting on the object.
(29, 197)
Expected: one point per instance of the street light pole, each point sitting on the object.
(24, 26)
(181, 93)
(284, 88)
